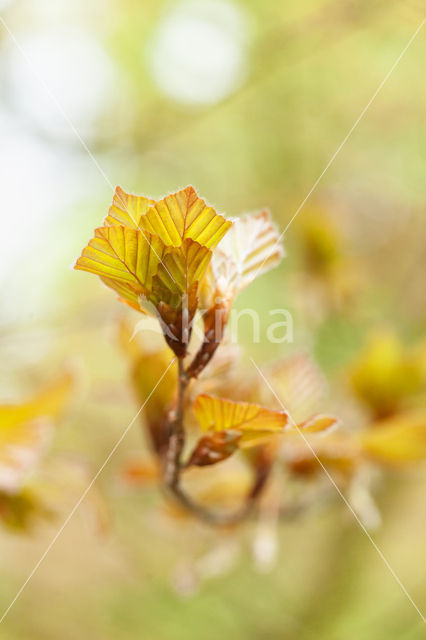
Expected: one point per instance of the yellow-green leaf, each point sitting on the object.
(126, 209)
(184, 215)
(126, 260)
(181, 268)
(255, 423)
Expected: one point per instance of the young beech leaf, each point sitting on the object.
(255, 423)
(126, 260)
(184, 215)
(397, 440)
(21, 448)
(169, 240)
(250, 248)
(126, 210)
(254, 246)
(181, 268)
(214, 447)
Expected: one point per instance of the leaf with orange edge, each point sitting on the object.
(254, 246)
(253, 423)
(397, 440)
(250, 248)
(184, 215)
(127, 209)
(125, 259)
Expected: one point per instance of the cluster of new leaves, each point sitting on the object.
(155, 255)
(172, 258)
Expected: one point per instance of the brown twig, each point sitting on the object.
(177, 432)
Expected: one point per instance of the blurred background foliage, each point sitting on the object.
(247, 101)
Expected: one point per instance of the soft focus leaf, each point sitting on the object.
(147, 365)
(21, 447)
(338, 451)
(253, 422)
(319, 423)
(249, 249)
(49, 402)
(300, 384)
(397, 440)
(26, 431)
(385, 374)
(126, 209)
(184, 215)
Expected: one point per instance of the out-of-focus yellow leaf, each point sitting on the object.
(126, 209)
(125, 258)
(300, 384)
(319, 423)
(385, 374)
(26, 431)
(21, 447)
(49, 402)
(255, 423)
(184, 215)
(320, 242)
(339, 452)
(397, 440)
(146, 368)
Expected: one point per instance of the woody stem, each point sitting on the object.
(177, 435)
